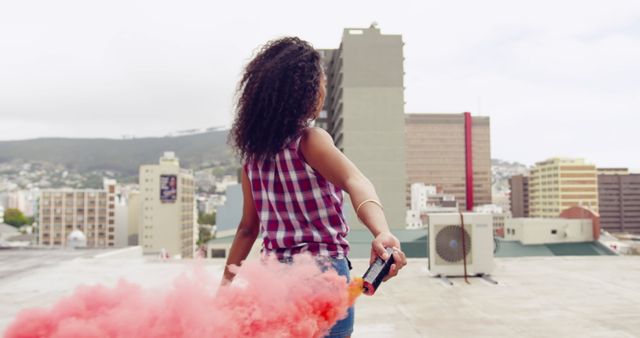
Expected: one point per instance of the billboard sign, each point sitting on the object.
(168, 188)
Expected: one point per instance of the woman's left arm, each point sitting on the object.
(247, 232)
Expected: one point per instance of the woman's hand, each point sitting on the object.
(388, 240)
(225, 281)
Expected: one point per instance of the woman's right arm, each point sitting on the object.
(247, 232)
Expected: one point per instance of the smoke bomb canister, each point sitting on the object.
(376, 273)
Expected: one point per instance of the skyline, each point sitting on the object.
(567, 70)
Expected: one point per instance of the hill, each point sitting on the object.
(123, 156)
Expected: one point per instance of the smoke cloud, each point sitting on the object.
(267, 299)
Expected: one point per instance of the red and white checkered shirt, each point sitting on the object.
(299, 210)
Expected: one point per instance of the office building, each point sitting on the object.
(167, 208)
(560, 183)
(451, 151)
(613, 171)
(519, 195)
(619, 201)
(364, 112)
(89, 213)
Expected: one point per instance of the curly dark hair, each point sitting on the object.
(276, 97)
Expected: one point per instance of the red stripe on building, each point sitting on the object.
(468, 148)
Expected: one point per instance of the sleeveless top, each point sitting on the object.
(299, 210)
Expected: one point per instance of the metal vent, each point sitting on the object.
(449, 243)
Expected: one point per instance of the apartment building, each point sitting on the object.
(88, 211)
(167, 220)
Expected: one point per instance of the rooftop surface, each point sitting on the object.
(594, 296)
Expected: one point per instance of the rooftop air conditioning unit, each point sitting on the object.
(446, 236)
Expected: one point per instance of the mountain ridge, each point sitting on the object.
(120, 155)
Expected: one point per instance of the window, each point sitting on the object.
(218, 253)
(554, 231)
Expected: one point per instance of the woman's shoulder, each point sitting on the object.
(314, 144)
(314, 136)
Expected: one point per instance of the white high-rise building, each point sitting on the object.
(167, 199)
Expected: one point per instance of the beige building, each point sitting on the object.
(167, 208)
(532, 231)
(90, 212)
(559, 183)
(364, 112)
(436, 151)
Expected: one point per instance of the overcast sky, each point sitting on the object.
(557, 78)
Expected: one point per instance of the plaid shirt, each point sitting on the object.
(299, 210)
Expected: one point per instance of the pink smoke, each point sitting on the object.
(266, 300)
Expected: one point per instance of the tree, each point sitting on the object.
(15, 217)
(207, 219)
(204, 235)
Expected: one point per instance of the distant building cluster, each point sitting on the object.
(426, 199)
(560, 183)
(364, 112)
(159, 214)
(420, 163)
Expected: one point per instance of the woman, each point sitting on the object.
(293, 176)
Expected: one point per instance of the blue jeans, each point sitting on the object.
(344, 327)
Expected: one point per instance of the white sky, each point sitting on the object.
(558, 78)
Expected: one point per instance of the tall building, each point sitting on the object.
(519, 196)
(559, 183)
(89, 211)
(364, 112)
(452, 151)
(167, 197)
(619, 200)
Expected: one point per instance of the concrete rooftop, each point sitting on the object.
(595, 296)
